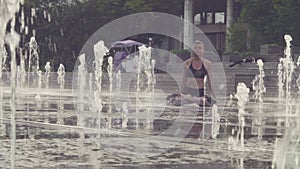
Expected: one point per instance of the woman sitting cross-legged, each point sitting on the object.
(196, 69)
(178, 99)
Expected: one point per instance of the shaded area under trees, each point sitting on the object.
(62, 27)
(264, 22)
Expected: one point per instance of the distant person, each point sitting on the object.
(245, 60)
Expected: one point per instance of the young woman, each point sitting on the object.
(195, 70)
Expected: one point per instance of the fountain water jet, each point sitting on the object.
(110, 73)
(259, 88)
(33, 60)
(142, 50)
(243, 97)
(82, 73)
(119, 80)
(3, 56)
(21, 73)
(283, 145)
(153, 79)
(61, 82)
(288, 66)
(40, 83)
(298, 62)
(47, 74)
(61, 76)
(110, 81)
(13, 40)
(215, 121)
(40, 79)
(146, 65)
(99, 50)
(8, 10)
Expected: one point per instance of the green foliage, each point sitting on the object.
(266, 22)
(238, 37)
(61, 40)
(181, 51)
(287, 18)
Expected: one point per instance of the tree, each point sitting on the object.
(73, 22)
(238, 38)
(287, 18)
(266, 21)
